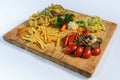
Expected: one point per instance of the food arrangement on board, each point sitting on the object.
(50, 24)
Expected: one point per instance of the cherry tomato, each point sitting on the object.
(96, 51)
(69, 49)
(79, 51)
(87, 53)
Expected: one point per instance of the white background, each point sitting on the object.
(18, 64)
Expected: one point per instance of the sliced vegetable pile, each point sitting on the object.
(52, 24)
(82, 45)
(93, 24)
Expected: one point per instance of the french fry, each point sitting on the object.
(57, 42)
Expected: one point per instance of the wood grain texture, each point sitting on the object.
(86, 67)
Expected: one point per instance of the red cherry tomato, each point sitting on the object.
(69, 49)
(87, 53)
(79, 51)
(96, 51)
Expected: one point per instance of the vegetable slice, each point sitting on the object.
(63, 28)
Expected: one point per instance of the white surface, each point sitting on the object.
(18, 64)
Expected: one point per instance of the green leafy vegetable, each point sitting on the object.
(58, 21)
(69, 17)
(80, 23)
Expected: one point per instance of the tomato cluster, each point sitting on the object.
(80, 51)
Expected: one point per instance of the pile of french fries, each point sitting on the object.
(43, 35)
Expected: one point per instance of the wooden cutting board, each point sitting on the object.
(85, 67)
